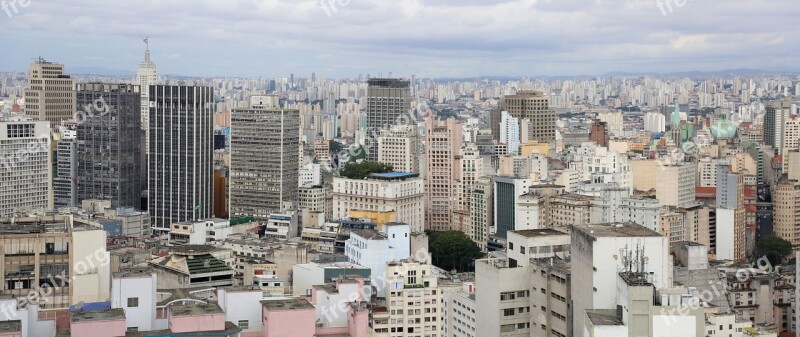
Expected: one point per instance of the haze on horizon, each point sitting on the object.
(430, 38)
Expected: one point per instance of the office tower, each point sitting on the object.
(49, 96)
(65, 182)
(400, 148)
(675, 185)
(730, 231)
(443, 144)
(108, 143)
(146, 75)
(26, 168)
(506, 195)
(265, 143)
(481, 211)
(775, 115)
(388, 103)
(786, 207)
(534, 106)
(600, 252)
(510, 132)
(181, 161)
(495, 116)
(791, 139)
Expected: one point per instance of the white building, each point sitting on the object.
(613, 120)
(26, 169)
(458, 306)
(524, 245)
(282, 225)
(509, 132)
(655, 122)
(146, 75)
(202, 232)
(373, 249)
(598, 254)
(394, 191)
(310, 174)
(605, 162)
(135, 292)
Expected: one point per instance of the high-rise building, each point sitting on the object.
(25, 165)
(506, 195)
(481, 210)
(49, 96)
(791, 139)
(402, 193)
(413, 297)
(443, 144)
(265, 142)
(730, 229)
(181, 160)
(775, 115)
(675, 185)
(108, 143)
(534, 106)
(510, 132)
(65, 182)
(599, 133)
(786, 206)
(387, 100)
(399, 147)
(146, 75)
(654, 122)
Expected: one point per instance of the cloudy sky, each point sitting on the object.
(429, 38)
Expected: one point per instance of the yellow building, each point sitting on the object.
(380, 218)
(536, 146)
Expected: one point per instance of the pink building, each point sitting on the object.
(98, 323)
(296, 318)
(11, 328)
(196, 317)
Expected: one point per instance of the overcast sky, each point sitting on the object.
(429, 38)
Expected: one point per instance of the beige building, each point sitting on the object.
(399, 147)
(644, 174)
(61, 263)
(322, 151)
(49, 95)
(791, 139)
(567, 210)
(402, 193)
(785, 208)
(442, 146)
(413, 299)
(535, 107)
(675, 185)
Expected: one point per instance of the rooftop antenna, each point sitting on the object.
(147, 43)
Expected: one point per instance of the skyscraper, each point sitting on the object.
(387, 100)
(146, 75)
(65, 182)
(265, 143)
(443, 144)
(399, 148)
(49, 96)
(107, 144)
(535, 106)
(181, 161)
(775, 115)
(25, 165)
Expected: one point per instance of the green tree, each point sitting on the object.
(453, 250)
(362, 170)
(774, 248)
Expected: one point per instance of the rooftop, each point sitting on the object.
(393, 175)
(195, 309)
(617, 229)
(287, 304)
(133, 273)
(99, 315)
(603, 317)
(370, 234)
(11, 326)
(530, 233)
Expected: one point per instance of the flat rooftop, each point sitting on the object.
(369, 234)
(99, 315)
(11, 326)
(530, 233)
(393, 175)
(603, 317)
(616, 229)
(195, 309)
(133, 273)
(287, 304)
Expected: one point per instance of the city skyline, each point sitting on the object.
(429, 38)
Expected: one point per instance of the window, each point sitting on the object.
(133, 302)
(522, 250)
(508, 312)
(244, 324)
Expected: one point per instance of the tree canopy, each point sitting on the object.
(774, 248)
(362, 170)
(453, 250)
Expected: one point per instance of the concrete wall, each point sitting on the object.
(242, 306)
(114, 328)
(289, 323)
(144, 288)
(91, 279)
(193, 323)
